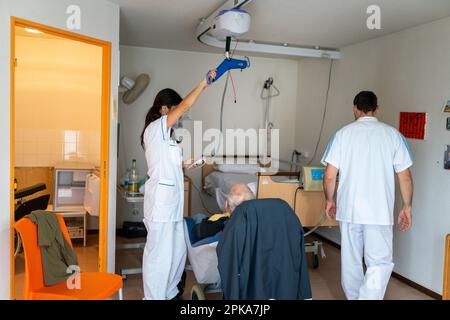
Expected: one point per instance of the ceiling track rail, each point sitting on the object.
(207, 24)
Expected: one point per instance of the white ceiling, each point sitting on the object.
(171, 24)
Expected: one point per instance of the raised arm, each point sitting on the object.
(177, 111)
(406, 189)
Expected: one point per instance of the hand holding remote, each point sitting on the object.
(197, 164)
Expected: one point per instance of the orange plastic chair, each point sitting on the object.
(93, 285)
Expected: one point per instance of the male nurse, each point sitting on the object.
(367, 154)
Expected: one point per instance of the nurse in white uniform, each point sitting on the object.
(165, 249)
(366, 153)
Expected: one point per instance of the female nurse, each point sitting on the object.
(165, 250)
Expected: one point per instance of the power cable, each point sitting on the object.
(324, 114)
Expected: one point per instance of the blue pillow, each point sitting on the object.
(190, 225)
(208, 240)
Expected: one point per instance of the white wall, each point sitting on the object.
(409, 71)
(182, 70)
(100, 19)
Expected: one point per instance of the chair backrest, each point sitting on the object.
(39, 203)
(34, 276)
(263, 242)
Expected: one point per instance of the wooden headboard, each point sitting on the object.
(446, 287)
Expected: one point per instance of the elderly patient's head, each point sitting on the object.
(238, 194)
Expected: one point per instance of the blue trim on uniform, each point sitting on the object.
(330, 144)
(232, 10)
(162, 129)
(407, 147)
(165, 184)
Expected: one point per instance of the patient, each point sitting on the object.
(214, 224)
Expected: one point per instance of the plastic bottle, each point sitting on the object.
(134, 179)
(126, 179)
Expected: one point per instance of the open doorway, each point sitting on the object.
(60, 136)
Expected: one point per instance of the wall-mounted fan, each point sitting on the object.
(134, 88)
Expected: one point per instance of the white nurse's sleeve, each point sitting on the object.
(402, 158)
(163, 127)
(156, 133)
(332, 154)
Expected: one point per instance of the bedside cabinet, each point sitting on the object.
(187, 196)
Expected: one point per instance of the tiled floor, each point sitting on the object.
(325, 280)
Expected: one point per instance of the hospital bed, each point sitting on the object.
(308, 205)
(221, 172)
(203, 262)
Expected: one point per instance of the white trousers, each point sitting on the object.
(374, 243)
(164, 259)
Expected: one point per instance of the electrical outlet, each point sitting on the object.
(448, 123)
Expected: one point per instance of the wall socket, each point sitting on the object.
(448, 123)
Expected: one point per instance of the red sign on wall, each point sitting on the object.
(412, 124)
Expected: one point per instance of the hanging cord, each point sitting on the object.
(229, 72)
(235, 46)
(200, 193)
(266, 112)
(223, 103)
(322, 220)
(221, 119)
(317, 226)
(324, 114)
(232, 84)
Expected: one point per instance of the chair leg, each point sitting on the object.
(120, 294)
(18, 244)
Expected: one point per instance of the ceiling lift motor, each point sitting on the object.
(228, 24)
(229, 20)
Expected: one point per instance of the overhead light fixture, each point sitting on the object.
(206, 35)
(33, 31)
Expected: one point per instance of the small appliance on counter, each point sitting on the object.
(76, 192)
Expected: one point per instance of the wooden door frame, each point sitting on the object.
(105, 122)
(446, 280)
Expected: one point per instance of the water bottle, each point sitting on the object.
(133, 182)
(126, 179)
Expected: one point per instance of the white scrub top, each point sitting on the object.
(367, 152)
(164, 190)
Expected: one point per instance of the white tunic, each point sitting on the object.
(165, 250)
(164, 191)
(367, 152)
